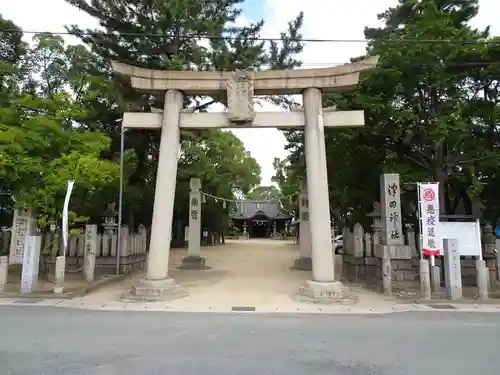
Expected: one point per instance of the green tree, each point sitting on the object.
(430, 110)
(220, 160)
(41, 143)
(265, 193)
(175, 34)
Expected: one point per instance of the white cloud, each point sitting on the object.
(344, 20)
(46, 15)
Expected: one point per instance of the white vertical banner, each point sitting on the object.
(65, 215)
(431, 241)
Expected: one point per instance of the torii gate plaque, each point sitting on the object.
(240, 87)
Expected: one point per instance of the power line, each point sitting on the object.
(263, 39)
(444, 65)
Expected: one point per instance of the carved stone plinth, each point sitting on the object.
(194, 262)
(154, 290)
(325, 293)
(303, 264)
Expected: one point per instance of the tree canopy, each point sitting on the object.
(265, 193)
(188, 35)
(431, 110)
(61, 107)
(41, 144)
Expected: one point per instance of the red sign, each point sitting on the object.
(429, 195)
(429, 219)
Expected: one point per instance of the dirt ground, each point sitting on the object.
(242, 273)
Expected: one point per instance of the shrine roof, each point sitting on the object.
(250, 209)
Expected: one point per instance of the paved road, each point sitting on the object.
(64, 341)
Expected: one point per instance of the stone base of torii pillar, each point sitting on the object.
(194, 262)
(155, 291)
(325, 293)
(166, 289)
(302, 264)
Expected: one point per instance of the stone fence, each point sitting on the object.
(362, 261)
(132, 252)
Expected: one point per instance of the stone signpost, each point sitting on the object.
(304, 261)
(24, 224)
(31, 262)
(90, 252)
(392, 225)
(453, 272)
(240, 88)
(392, 237)
(194, 260)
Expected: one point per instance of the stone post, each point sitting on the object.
(358, 245)
(488, 240)
(24, 224)
(322, 287)
(368, 245)
(376, 228)
(194, 260)
(304, 262)
(387, 276)
(410, 239)
(144, 243)
(125, 249)
(425, 279)
(436, 279)
(157, 284)
(31, 263)
(90, 252)
(4, 271)
(453, 269)
(482, 280)
(59, 274)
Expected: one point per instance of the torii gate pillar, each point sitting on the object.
(241, 87)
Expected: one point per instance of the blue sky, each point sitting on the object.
(253, 9)
(324, 19)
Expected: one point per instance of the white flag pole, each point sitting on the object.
(65, 216)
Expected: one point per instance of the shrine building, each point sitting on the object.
(261, 219)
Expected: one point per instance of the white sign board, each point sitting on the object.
(31, 259)
(467, 234)
(428, 199)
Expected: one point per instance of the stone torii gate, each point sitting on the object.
(241, 86)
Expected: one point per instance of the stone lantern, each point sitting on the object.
(376, 225)
(110, 221)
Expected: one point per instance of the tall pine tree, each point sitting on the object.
(431, 110)
(182, 35)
